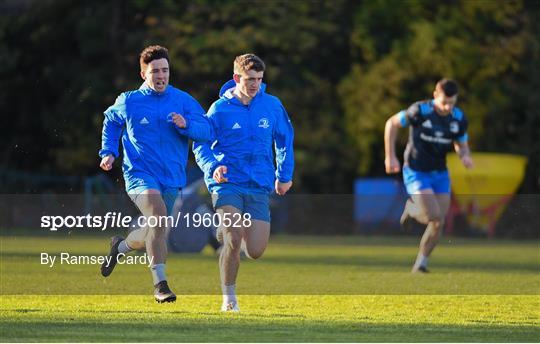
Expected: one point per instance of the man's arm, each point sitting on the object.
(208, 163)
(196, 125)
(205, 157)
(464, 153)
(391, 162)
(283, 144)
(203, 150)
(461, 145)
(113, 124)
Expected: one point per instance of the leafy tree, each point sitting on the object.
(72, 59)
(341, 68)
(403, 48)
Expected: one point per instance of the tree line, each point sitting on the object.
(340, 67)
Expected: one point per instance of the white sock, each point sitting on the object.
(124, 247)
(229, 293)
(421, 260)
(158, 273)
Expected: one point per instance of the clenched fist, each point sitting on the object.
(179, 120)
(106, 162)
(219, 174)
(282, 188)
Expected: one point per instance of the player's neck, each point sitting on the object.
(244, 99)
(439, 112)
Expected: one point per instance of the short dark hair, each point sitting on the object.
(151, 53)
(448, 86)
(246, 62)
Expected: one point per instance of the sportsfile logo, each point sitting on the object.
(116, 220)
(109, 220)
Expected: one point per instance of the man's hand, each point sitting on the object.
(219, 174)
(179, 120)
(282, 188)
(392, 165)
(106, 162)
(467, 161)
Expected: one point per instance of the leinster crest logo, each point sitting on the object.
(454, 127)
(264, 123)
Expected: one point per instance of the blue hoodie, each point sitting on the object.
(243, 140)
(153, 145)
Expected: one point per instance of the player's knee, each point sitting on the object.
(233, 240)
(435, 217)
(254, 253)
(137, 244)
(137, 238)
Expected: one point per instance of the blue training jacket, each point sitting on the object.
(153, 145)
(243, 140)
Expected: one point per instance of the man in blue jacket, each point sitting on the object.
(239, 169)
(155, 123)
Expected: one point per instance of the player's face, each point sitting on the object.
(443, 103)
(249, 83)
(156, 75)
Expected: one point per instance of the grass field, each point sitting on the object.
(331, 289)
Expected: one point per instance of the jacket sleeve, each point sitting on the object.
(113, 124)
(283, 144)
(198, 127)
(203, 150)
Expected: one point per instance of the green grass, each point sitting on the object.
(329, 289)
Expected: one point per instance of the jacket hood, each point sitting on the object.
(231, 84)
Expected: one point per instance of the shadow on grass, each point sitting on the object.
(145, 312)
(216, 327)
(400, 262)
